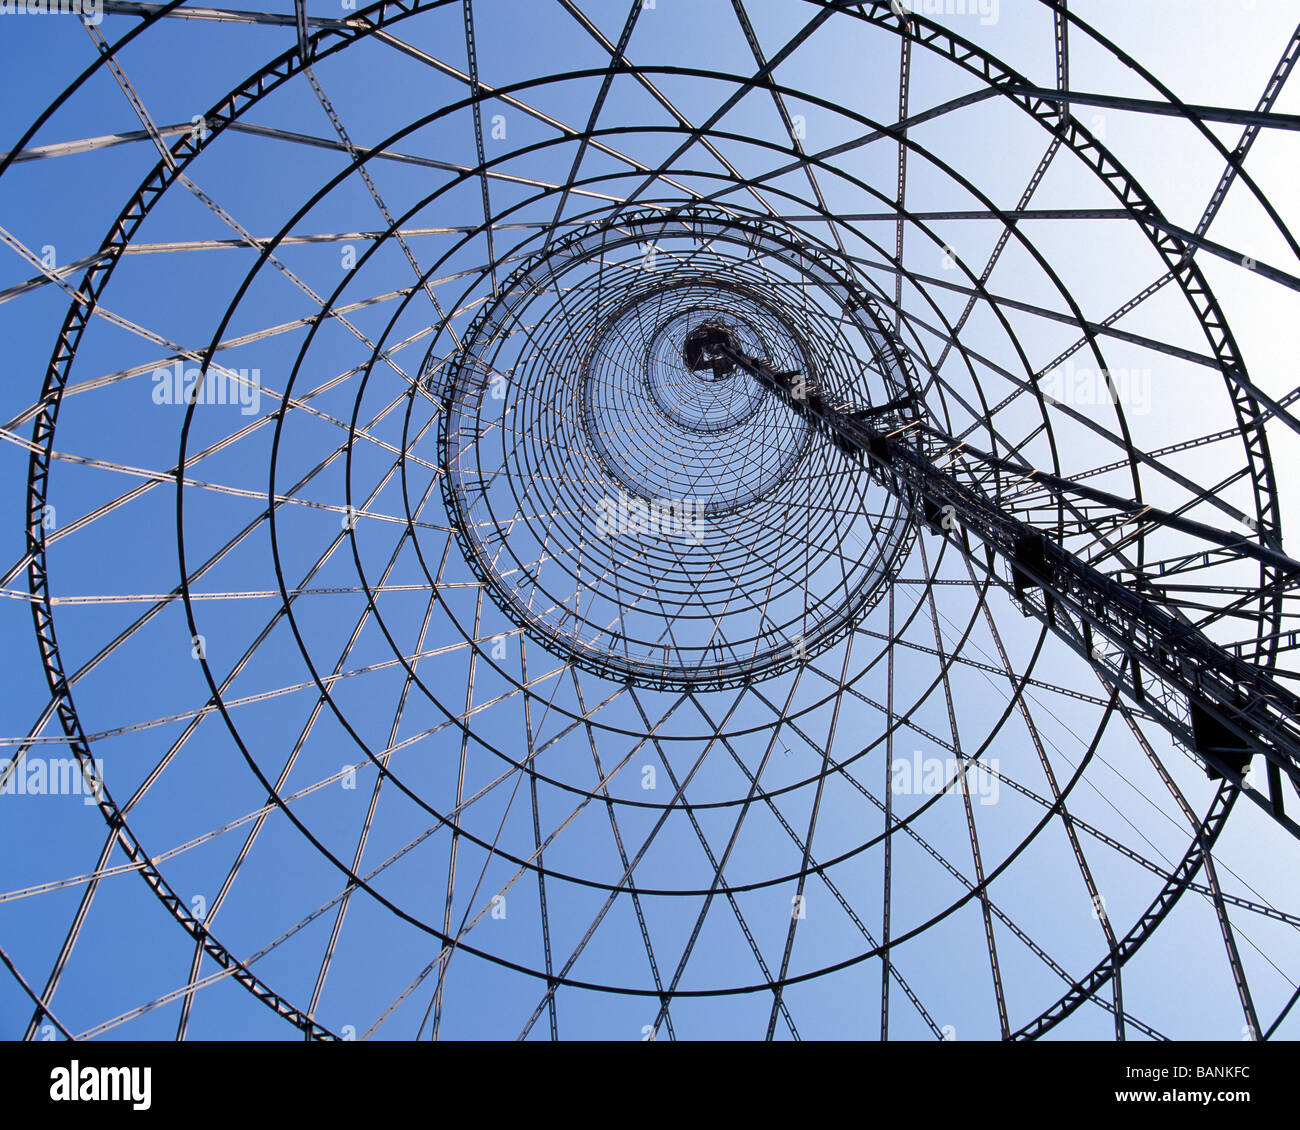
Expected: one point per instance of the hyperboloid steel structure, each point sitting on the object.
(652, 520)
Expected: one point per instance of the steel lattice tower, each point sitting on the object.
(650, 520)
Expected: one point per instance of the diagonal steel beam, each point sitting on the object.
(1155, 656)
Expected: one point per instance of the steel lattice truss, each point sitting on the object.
(457, 640)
